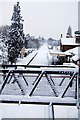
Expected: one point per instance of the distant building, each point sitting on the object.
(69, 43)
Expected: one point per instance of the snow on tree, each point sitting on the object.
(69, 32)
(16, 41)
(4, 33)
(3, 52)
(27, 40)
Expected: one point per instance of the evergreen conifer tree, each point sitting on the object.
(16, 35)
(69, 31)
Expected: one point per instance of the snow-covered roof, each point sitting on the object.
(75, 57)
(56, 52)
(59, 53)
(75, 52)
(70, 64)
(77, 32)
(68, 41)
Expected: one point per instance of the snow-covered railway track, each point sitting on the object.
(31, 59)
(27, 60)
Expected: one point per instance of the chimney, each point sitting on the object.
(61, 36)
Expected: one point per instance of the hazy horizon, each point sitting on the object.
(45, 19)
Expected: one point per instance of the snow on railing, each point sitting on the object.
(43, 71)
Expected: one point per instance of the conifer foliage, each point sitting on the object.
(69, 31)
(16, 35)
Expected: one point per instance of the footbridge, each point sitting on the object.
(40, 85)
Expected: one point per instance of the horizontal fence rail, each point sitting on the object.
(42, 71)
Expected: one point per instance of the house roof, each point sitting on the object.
(76, 53)
(77, 32)
(58, 53)
(68, 41)
(75, 58)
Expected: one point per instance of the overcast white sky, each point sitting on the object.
(47, 18)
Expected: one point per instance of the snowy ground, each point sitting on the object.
(42, 56)
(43, 89)
(25, 60)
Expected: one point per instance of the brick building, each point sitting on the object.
(69, 43)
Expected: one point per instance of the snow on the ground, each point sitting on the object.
(42, 56)
(25, 60)
(26, 111)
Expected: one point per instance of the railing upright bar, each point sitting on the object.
(51, 111)
(77, 103)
